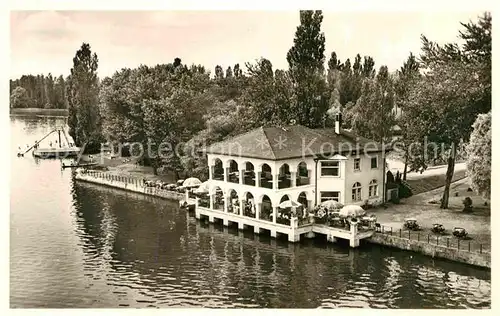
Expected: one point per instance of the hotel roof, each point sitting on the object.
(294, 141)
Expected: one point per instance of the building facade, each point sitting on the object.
(260, 170)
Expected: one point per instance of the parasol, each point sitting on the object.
(191, 183)
(203, 188)
(289, 203)
(332, 205)
(352, 211)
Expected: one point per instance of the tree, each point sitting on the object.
(219, 73)
(372, 116)
(345, 84)
(368, 67)
(407, 76)
(455, 89)
(177, 62)
(237, 70)
(333, 80)
(59, 93)
(19, 98)
(306, 67)
(260, 95)
(479, 155)
(49, 91)
(439, 108)
(83, 91)
(229, 72)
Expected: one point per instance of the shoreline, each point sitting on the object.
(474, 258)
(132, 185)
(39, 112)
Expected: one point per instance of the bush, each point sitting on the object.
(404, 191)
(467, 202)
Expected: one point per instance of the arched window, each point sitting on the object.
(373, 188)
(356, 192)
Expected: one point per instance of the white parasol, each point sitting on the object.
(191, 183)
(332, 205)
(289, 203)
(352, 211)
(203, 188)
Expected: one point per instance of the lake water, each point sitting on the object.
(82, 245)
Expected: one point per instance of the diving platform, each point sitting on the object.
(59, 151)
(56, 152)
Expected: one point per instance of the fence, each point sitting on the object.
(128, 183)
(436, 239)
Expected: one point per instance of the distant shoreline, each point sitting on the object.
(39, 112)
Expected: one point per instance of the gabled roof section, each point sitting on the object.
(278, 143)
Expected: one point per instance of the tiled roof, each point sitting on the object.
(294, 141)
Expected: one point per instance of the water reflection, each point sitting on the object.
(172, 260)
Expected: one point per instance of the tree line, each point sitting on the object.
(440, 93)
(40, 91)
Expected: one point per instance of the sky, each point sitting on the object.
(43, 42)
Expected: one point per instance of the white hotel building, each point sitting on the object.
(269, 165)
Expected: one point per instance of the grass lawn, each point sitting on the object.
(477, 223)
(431, 182)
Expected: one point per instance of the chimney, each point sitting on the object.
(338, 122)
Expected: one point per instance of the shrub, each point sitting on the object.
(404, 191)
(467, 202)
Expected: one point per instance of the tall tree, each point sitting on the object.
(306, 66)
(368, 67)
(407, 76)
(84, 118)
(219, 73)
(345, 83)
(237, 70)
(229, 72)
(334, 86)
(479, 155)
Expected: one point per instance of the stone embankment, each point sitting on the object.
(475, 257)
